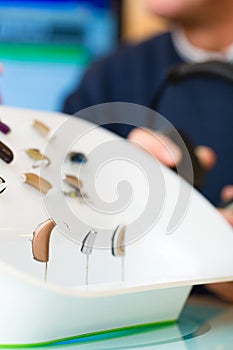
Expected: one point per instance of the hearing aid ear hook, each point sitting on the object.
(2, 185)
(86, 248)
(40, 243)
(37, 182)
(118, 246)
(36, 155)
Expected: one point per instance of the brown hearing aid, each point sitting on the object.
(88, 242)
(37, 182)
(40, 241)
(73, 181)
(4, 128)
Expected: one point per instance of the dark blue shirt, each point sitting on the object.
(201, 107)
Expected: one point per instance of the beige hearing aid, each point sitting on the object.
(40, 242)
(42, 129)
(37, 182)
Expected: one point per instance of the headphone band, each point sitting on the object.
(219, 69)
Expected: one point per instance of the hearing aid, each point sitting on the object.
(73, 181)
(40, 242)
(36, 155)
(42, 129)
(37, 182)
(5, 129)
(88, 242)
(77, 185)
(77, 157)
(6, 153)
(2, 185)
(118, 246)
(86, 248)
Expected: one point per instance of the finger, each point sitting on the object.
(227, 193)
(158, 145)
(223, 290)
(227, 214)
(206, 156)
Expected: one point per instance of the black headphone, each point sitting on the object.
(183, 71)
(218, 69)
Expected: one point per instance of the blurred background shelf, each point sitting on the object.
(46, 45)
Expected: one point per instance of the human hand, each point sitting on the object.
(166, 151)
(223, 290)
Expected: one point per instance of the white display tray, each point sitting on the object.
(160, 266)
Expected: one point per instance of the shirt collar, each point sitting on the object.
(190, 53)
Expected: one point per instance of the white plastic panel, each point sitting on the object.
(159, 266)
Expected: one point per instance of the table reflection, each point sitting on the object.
(204, 324)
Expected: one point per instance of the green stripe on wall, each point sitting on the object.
(44, 53)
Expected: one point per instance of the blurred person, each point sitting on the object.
(200, 106)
